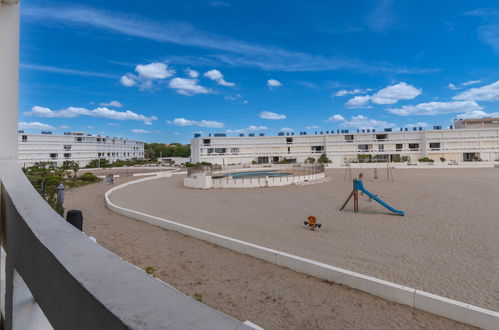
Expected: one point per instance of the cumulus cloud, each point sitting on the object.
(271, 115)
(251, 128)
(312, 127)
(394, 93)
(273, 83)
(436, 108)
(140, 131)
(344, 92)
(154, 71)
(217, 76)
(477, 114)
(200, 123)
(147, 74)
(186, 86)
(192, 73)
(286, 129)
(358, 102)
(100, 112)
(35, 125)
(336, 117)
(64, 126)
(452, 87)
(485, 93)
(363, 122)
(471, 82)
(388, 95)
(116, 104)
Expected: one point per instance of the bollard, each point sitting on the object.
(75, 217)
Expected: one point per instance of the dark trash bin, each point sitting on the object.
(75, 217)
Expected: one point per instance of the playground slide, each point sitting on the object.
(360, 186)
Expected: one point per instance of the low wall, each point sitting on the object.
(455, 310)
(269, 181)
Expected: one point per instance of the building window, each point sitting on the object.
(381, 147)
(67, 147)
(53, 155)
(349, 138)
(24, 138)
(234, 150)
(363, 147)
(67, 155)
(206, 141)
(317, 148)
(435, 146)
(414, 146)
(78, 139)
(210, 151)
(470, 156)
(381, 136)
(289, 140)
(263, 160)
(220, 150)
(399, 147)
(289, 150)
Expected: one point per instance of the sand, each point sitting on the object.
(241, 286)
(447, 244)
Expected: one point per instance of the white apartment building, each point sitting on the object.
(466, 144)
(78, 147)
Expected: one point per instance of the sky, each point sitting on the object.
(160, 71)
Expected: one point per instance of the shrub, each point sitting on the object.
(405, 158)
(425, 160)
(442, 159)
(254, 162)
(323, 159)
(310, 160)
(364, 158)
(89, 177)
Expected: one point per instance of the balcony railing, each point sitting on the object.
(56, 272)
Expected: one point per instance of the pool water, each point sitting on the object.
(255, 174)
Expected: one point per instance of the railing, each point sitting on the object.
(55, 276)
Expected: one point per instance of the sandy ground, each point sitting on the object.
(244, 287)
(447, 244)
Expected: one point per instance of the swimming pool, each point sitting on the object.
(255, 174)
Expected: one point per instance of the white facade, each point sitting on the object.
(78, 147)
(456, 145)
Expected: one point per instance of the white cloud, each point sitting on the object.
(344, 92)
(251, 128)
(358, 102)
(192, 73)
(187, 86)
(146, 75)
(286, 129)
(64, 126)
(435, 108)
(233, 97)
(271, 115)
(273, 83)
(200, 123)
(100, 112)
(394, 93)
(471, 82)
(452, 87)
(154, 70)
(485, 93)
(128, 80)
(388, 95)
(35, 125)
(336, 117)
(217, 76)
(140, 131)
(116, 104)
(363, 122)
(418, 124)
(312, 127)
(477, 114)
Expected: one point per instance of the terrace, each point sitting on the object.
(54, 276)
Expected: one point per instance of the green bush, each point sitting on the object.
(323, 159)
(89, 177)
(425, 160)
(364, 158)
(254, 162)
(310, 160)
(405, 158)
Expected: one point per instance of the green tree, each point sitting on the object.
(323, 159)
(310, 160)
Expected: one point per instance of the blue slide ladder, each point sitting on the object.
(358, 185)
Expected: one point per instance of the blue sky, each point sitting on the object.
(162, 70)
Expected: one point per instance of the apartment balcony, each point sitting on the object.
(53, 275)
